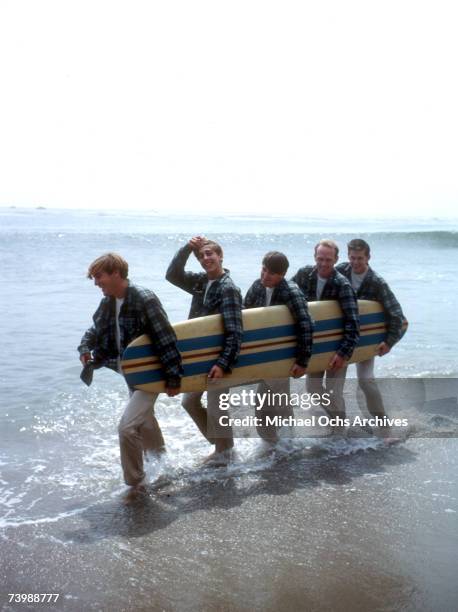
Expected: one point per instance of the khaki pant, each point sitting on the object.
(335, 381)
(368, 385)
(139, 432)
(208, 420)
(279, 408)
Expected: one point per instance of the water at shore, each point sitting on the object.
(370, 530)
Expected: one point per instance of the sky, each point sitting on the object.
(327, 107)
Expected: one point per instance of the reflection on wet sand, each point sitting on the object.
(311, 532)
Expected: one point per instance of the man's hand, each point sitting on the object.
(216, 372)
(196, 243)
(85, 357)
(172, 391)
(336, 362)
(297, 371)
(383, 348)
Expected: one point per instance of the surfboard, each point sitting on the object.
(268, 345)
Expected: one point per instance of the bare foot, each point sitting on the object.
(220, 459)
(135, 493)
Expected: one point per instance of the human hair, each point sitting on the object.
(276, 262)
(328, 243)
(109, 263)
(358, 244)
(214, 246)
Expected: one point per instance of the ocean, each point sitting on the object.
(343, 525)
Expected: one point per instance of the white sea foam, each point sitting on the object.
(11, 498)
(79, 431)
(4, 523)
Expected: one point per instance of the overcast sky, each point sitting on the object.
(324, 107)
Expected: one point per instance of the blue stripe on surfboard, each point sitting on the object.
(266, 333)
(250, 335)
(365, 319)
(216, 340)
(202, 367)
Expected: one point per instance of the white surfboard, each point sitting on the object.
(268, 346)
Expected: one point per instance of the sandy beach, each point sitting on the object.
(371, 530)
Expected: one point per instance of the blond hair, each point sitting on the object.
(327, 242)
(109, 263)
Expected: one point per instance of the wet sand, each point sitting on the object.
(373, 530)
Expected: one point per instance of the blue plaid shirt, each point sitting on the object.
(141, 313)
(290, 295)
(223, 297)
(337, 288)
(375, 288)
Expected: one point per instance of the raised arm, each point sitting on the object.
(176, 273)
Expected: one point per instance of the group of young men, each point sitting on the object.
(128, 311)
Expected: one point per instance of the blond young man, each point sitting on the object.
(126, 312)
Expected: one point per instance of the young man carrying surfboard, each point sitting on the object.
(213, 292)
(368, 285)
(324, 282)
(126, 312)
(272, 289)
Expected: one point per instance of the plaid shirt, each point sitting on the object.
(337, 288)
(141, 313)
(375, 288)
(289, 294)
(223, 297)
